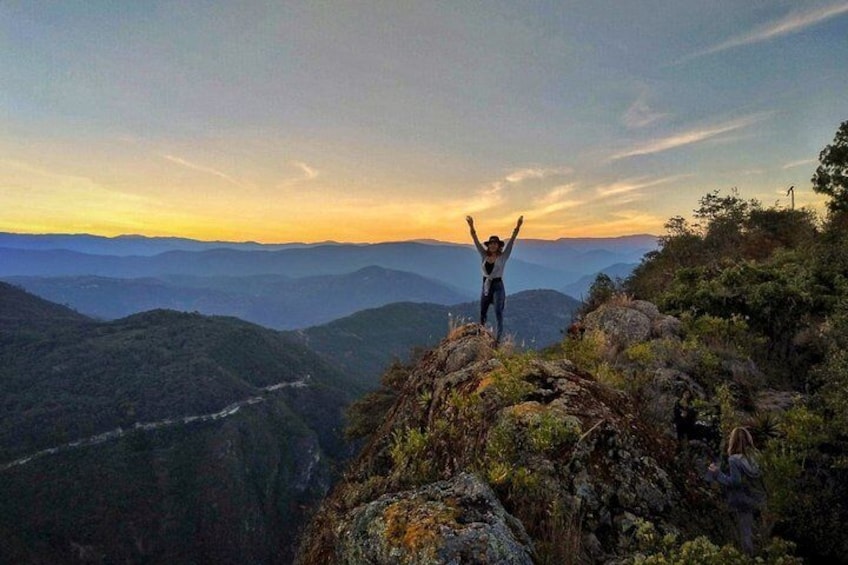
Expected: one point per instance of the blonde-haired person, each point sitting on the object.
(742, 484)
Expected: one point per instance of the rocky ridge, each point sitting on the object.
(494, 458)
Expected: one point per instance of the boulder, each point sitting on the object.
(647, 308)
(666, 327)
(455, 521)
(624, 326)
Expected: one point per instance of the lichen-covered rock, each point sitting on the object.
(624, 326)
(455, 521)
(647, 308)
(666, 327)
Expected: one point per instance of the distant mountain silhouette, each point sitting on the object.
(364, 343)
(124, 245)
(270, 300)
(586, 255)
(535, 263)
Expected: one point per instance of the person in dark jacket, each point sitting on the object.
(685, 417)
(741, 484)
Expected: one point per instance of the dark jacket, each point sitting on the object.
(743, 484)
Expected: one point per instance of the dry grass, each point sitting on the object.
(620, 299)
(456, 323)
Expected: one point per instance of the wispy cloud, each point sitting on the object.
(624, 186)
(625, 192)
(34, 198)
(687, 137)
(800, 163)
(556, 193)
(519, 176)
(493, 195)
(640, 114)
(308, 172)
(522, 175)
(203, 169)
(791, 23)
(554, 200)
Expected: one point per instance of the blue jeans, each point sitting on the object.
(496, 296)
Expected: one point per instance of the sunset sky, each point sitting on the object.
(371, 121)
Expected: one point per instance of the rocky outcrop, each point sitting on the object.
(455, 521)
(624, 326)
(632, 322)
(492, 458)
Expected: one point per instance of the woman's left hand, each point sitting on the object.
(520, 220)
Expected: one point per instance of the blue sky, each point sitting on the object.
(371, 121)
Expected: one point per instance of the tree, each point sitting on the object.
(601, 291)
(831, 176)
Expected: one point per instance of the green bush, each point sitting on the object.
(411, 457)
(670, 550)
(508, 380)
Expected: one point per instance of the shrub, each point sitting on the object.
(410, 452)
(365, 415)
(587, 353)
(508, 380)
(550, 432)
(783, 458)
(669, 550)
(528, 429)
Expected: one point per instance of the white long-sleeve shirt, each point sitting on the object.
(500, 260)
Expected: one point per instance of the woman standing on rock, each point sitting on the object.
(494, 254)
(743, 484)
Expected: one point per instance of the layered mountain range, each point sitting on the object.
(140, 273)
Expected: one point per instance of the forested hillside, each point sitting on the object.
(364, 343)
(162, 437)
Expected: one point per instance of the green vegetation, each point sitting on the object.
(365, 414)
(831, 176)
(507, 381)
(236, 488)
(770, 284)
(530, 429)
(601, 291)
(72, 381)
(411, 456)
(670, 549)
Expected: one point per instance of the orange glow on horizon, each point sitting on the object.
(236, 232)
